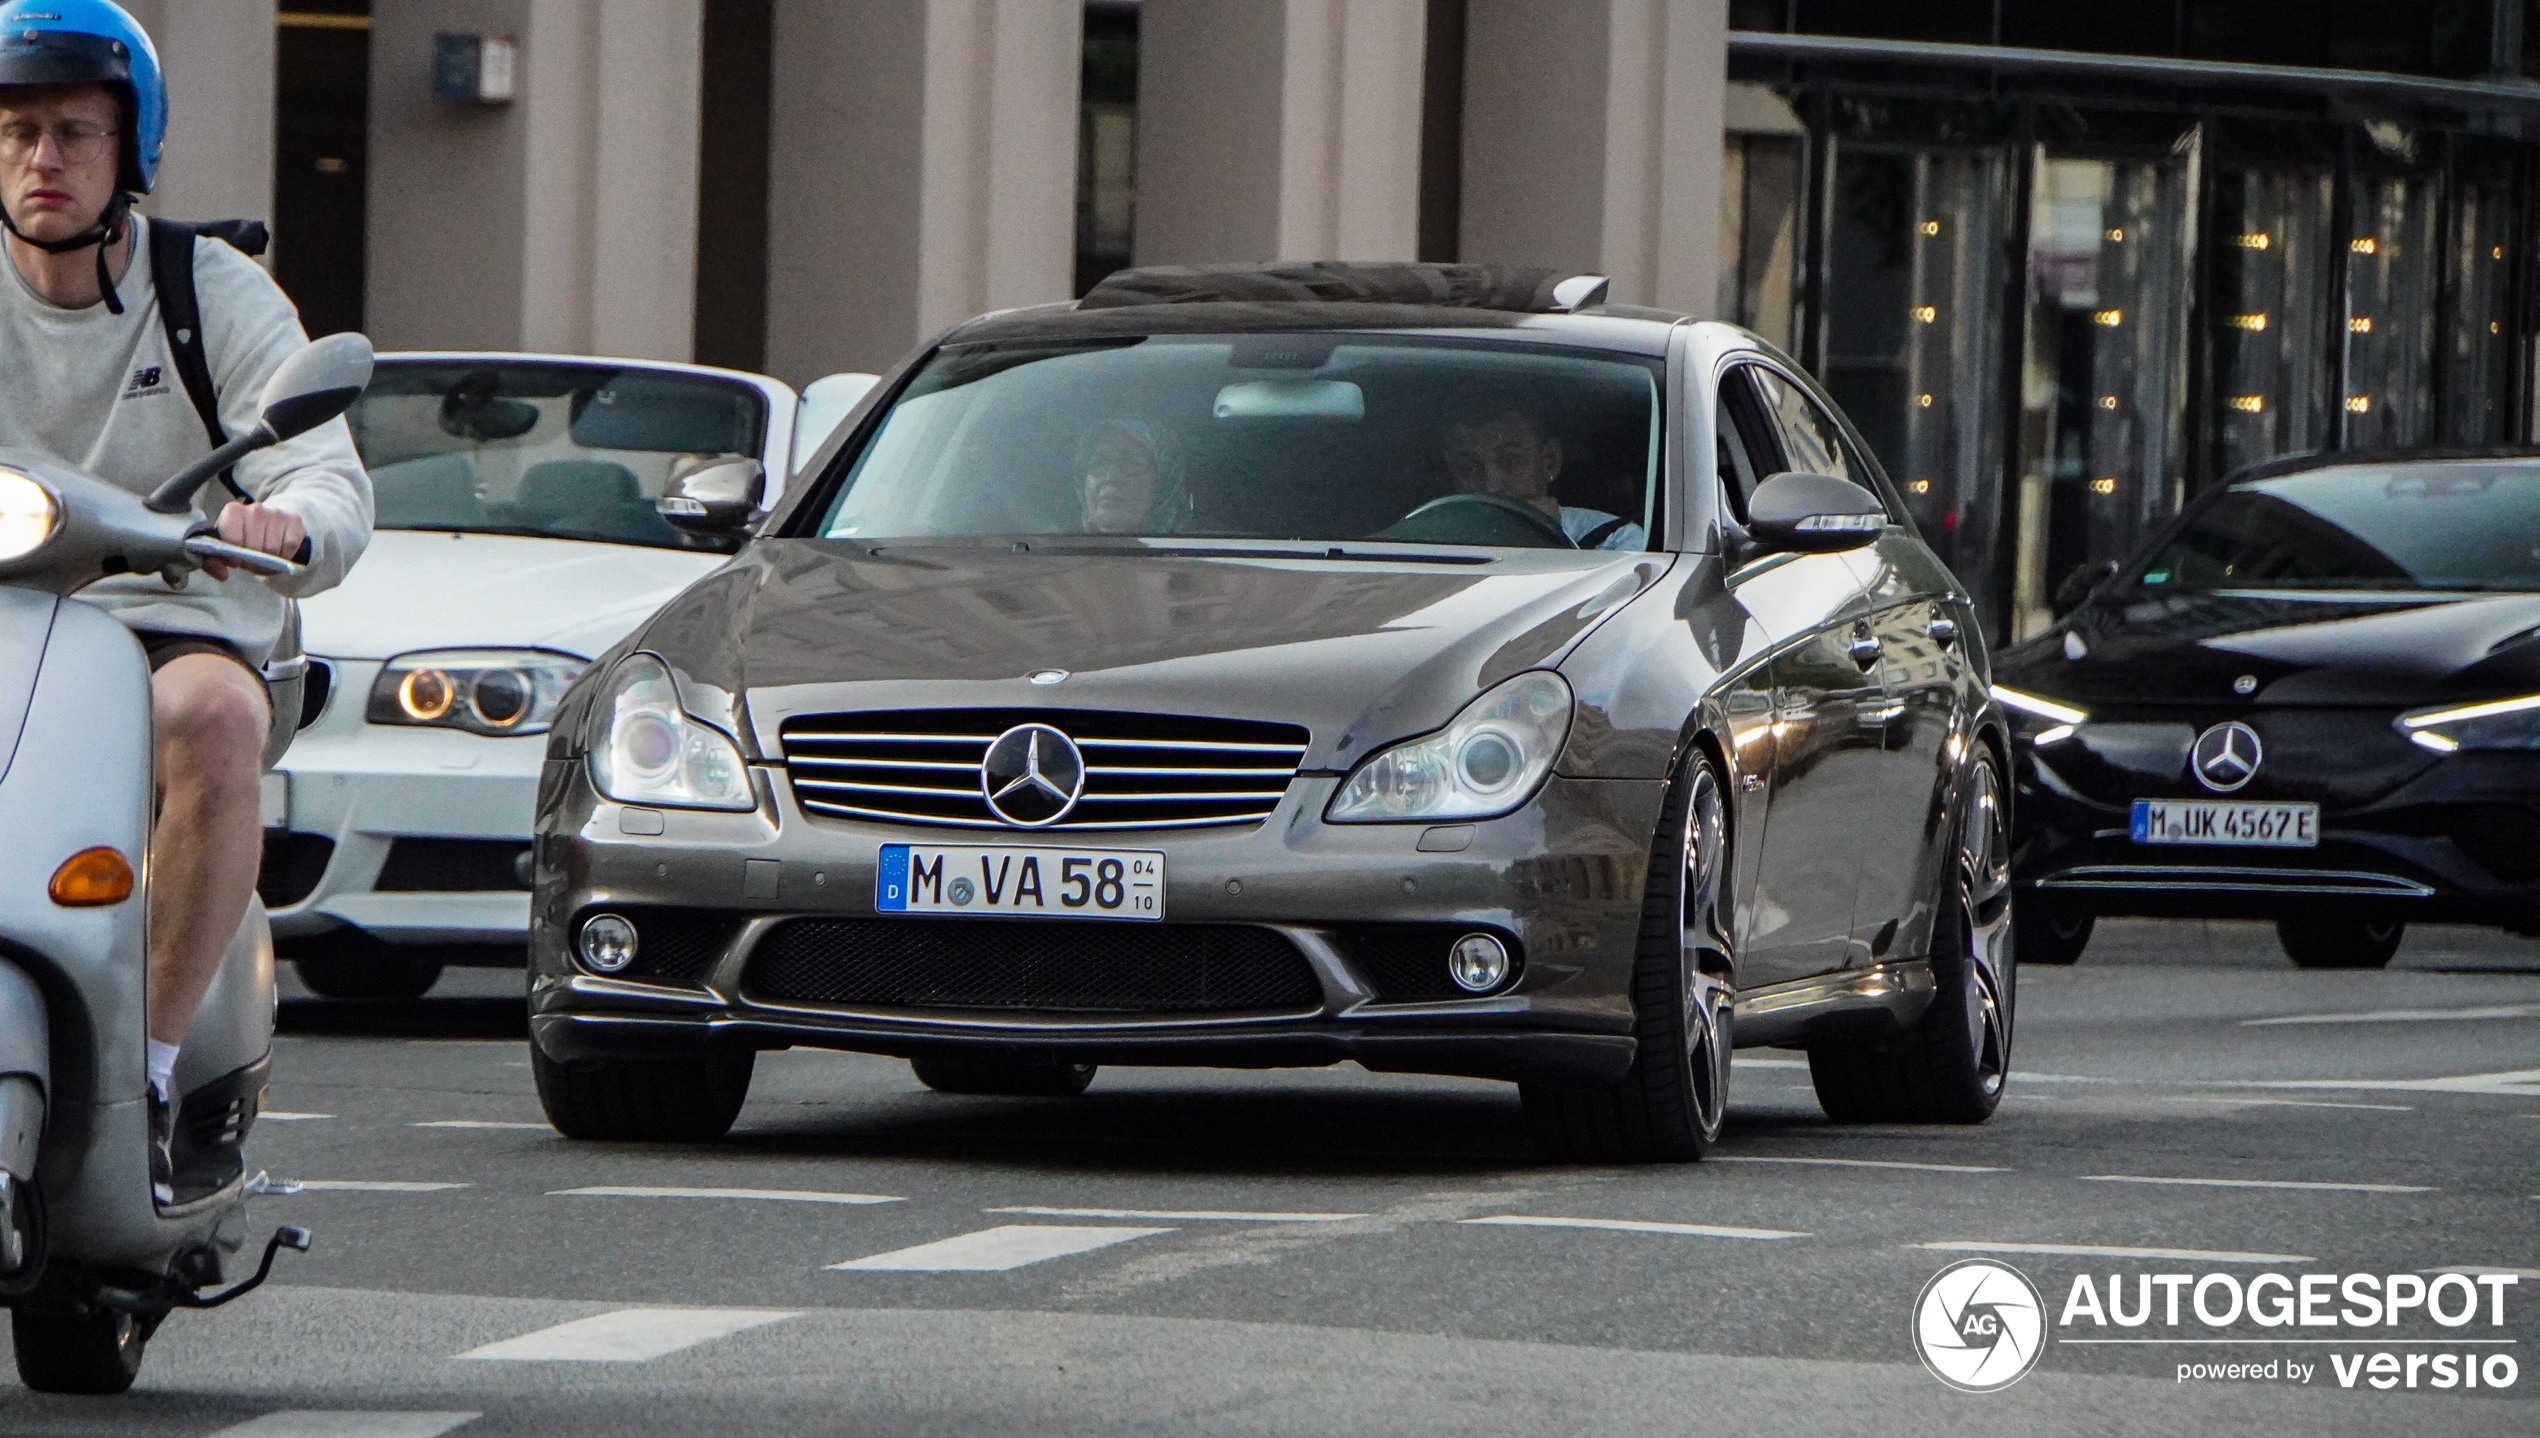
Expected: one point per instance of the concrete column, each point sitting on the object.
(218, 55)
(1622, 175)
(922, 170)
(1279, 129)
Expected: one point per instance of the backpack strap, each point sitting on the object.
(181, 314)
(1595, 538)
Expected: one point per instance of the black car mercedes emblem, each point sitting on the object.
(1032, 776)
(2226, 756)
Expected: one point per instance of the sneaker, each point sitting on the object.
(162, 1149)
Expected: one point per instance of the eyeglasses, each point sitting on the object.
(77, 144)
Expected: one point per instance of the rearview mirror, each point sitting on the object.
(715, 498)
(1796, 512)
(317, 384)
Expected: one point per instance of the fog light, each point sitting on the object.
(1478, 963)
(607, 944)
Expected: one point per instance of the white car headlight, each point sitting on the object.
(1490, 759)
(499, 692)
(645, 749)
(28, 515)
(2497, 724)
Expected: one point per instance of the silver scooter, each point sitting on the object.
(90, 1260)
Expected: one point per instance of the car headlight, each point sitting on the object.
(645, 749)
(28, 515)
(1488, 760)
(2497, 724)
(483, 691)
(2043, 721)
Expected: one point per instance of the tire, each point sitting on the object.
(2045, 934)
(1012, 1078)
(2340, 941)
(1950, 1065)
(349, 964)
(682, 1098)
(78, 1350)
(1670, 1105)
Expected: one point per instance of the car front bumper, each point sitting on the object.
(1563, 877)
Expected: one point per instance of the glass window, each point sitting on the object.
(562, 451)
(1272, 437)
(2445, 526)
(2272, 235)
(1761, 177)
(2390, 311)
(1811, 441)
(1742, 465)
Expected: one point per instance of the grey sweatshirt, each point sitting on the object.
(99, 392)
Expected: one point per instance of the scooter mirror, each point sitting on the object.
(317, 384)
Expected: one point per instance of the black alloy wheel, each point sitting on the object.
(2340, 940)
(2046, 934)
(1950, 1065)
(1006, 1077)
(677, 1098)
(350, 964)
(1670, 1106)
(83, 1348)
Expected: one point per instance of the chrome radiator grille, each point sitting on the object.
(1142, 771)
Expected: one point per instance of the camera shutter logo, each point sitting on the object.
(1032, 776)
(1979, 1325)
(2226, 756)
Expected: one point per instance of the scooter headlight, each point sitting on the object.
(28, 515)
(646, 749)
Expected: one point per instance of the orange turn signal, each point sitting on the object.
(92, 878)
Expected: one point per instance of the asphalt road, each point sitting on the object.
(1329, 1251)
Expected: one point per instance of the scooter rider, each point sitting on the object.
(92, 381)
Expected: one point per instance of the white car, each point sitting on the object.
(532, 509)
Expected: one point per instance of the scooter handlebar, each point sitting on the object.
(254, 561)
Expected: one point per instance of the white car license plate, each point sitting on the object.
(1020, 882)
(2257, 823)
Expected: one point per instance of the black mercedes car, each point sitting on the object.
(2313, 698)
(1430, 667)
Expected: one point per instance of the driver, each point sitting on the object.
(93, 385)
(1128, 478)
(1497, 447)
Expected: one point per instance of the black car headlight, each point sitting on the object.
(2040, 720)
(1489, 760)
(646, 749)
(483, 691)
(2496, 724)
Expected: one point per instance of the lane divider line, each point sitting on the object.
(1854, 1163)
(1633, 1225)
(774, 1195)
(2105, 1250)
(628, 1335)
(284, 1116)
(2474, 1269)
(2401, 1016)
(2256, 1183)
(2294, 1103)
(1192, 1215)
(994, 1250)
(479, 1123)
(347, 1423)
(374, 1185)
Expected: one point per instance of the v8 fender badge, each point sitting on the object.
(1979, 1325)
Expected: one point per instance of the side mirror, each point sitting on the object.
(317, 384)
(718, 499)
(2077, 586)
(1795, 512)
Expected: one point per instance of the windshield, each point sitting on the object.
(566, 451)
(2449, 525)
(1268, 437)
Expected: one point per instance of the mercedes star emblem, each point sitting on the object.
(2226, 756)
(1032, 776)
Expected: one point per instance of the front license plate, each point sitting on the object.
(2245, 822)
(1017, 882)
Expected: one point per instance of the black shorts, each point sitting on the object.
(163, 648)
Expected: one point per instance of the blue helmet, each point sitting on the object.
(92, 42)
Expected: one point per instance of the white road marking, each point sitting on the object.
(778, 1195)
(1745, 1063)
(373, 1185)
(2475, 1269)
(479, 1123)
(2516, 1083)
(346, 1423)
(2402, 1016)
(994, 1250)
(2295, 1103)
(2088, 1250)
(1634, 1225)
(629, 1335)
(278, 1116)
(1855, 1163)
(2256, 1183)
(1194, 1215)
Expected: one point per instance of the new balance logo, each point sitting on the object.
(145, 383)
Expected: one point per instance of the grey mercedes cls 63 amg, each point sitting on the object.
(1431, 667)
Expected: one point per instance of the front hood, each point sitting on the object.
(427, 589)
(1361, 651)
(2302, 649)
